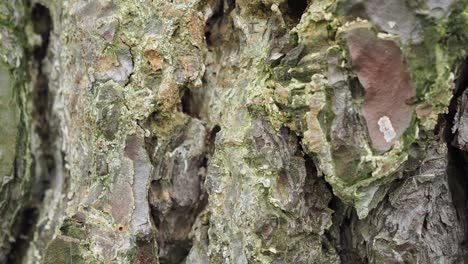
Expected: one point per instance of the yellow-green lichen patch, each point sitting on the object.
(63, 250)
(9, 113)
(318, 98)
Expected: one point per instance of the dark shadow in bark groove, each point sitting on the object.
(457, 168)
(217, 25)
(292, 11)
(174, 225)
(343, 231)
(190, 105)
(25, 226)
(339, 236)
(41, 22)
(210, 144)
(176, 195)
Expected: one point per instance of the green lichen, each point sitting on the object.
(63, 250)
(72, 228)
(305, 106)
(10, 116)
(15, 157)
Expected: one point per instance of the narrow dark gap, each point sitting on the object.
(192, 102)
(457, 167)
(216, 26)
(25, 226)
(293, 10)
(211, 143)
(212, 23)
(340, 235)
(296, 8)
(129, 78)
(174, 245)
(358, 10)
(42, 24)
(189, 104)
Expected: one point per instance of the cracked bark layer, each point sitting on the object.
(233, 132)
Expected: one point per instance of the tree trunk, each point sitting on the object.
(224, 131)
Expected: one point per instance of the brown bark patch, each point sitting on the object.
(122, 204)
(154, 59)
(381, 70)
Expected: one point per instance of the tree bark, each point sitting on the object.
(224, 131)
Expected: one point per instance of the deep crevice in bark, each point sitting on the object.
(341, 233)
(293, 10)
(223, 41)
(210, 146)
(25, 225)
(339, 236)
(41, 22)
(42, 100)
(174, 223)
(457, 168)
(217, 25)
(172, 212)
(173, 220)
(189, 103)
(129, 78)
(174, 209)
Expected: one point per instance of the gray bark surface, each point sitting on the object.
(233, 131)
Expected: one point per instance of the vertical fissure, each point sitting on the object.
(177, 195)
(457, 169)
(338, 237)
(190, 103)
(174, 209)
(43, 161)
(217, 26)
(293, 10)
(42, 101)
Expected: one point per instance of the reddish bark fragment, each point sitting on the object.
(380, 67)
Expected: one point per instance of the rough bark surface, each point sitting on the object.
(233, 131)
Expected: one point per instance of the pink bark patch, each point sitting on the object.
(380, 67)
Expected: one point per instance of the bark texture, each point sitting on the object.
(233, 131)
(16, 132)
